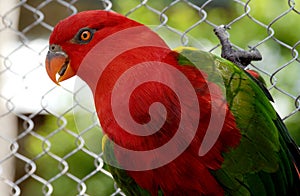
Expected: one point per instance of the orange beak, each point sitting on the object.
(58, 65)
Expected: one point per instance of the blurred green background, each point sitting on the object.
(181, 16)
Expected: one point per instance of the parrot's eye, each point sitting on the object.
(84, 35)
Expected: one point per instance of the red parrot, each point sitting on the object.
(176, 122)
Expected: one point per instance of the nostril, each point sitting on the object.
(54, 47)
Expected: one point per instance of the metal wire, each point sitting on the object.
(24, 38)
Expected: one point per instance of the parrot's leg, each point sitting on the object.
(240, 57)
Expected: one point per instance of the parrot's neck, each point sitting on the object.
(120, 75)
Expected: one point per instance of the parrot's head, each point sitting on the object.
(73, 37)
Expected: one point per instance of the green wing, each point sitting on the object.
(262, 164)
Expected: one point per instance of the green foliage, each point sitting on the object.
(79, 164)
(293, 127)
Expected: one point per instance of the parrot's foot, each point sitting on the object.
(241, 58)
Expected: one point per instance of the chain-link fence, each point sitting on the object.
(44, 128)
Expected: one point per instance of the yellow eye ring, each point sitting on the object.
(85, 35)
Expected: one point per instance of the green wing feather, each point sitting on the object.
(262, 164)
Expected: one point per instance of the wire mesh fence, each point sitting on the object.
(45, 128)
